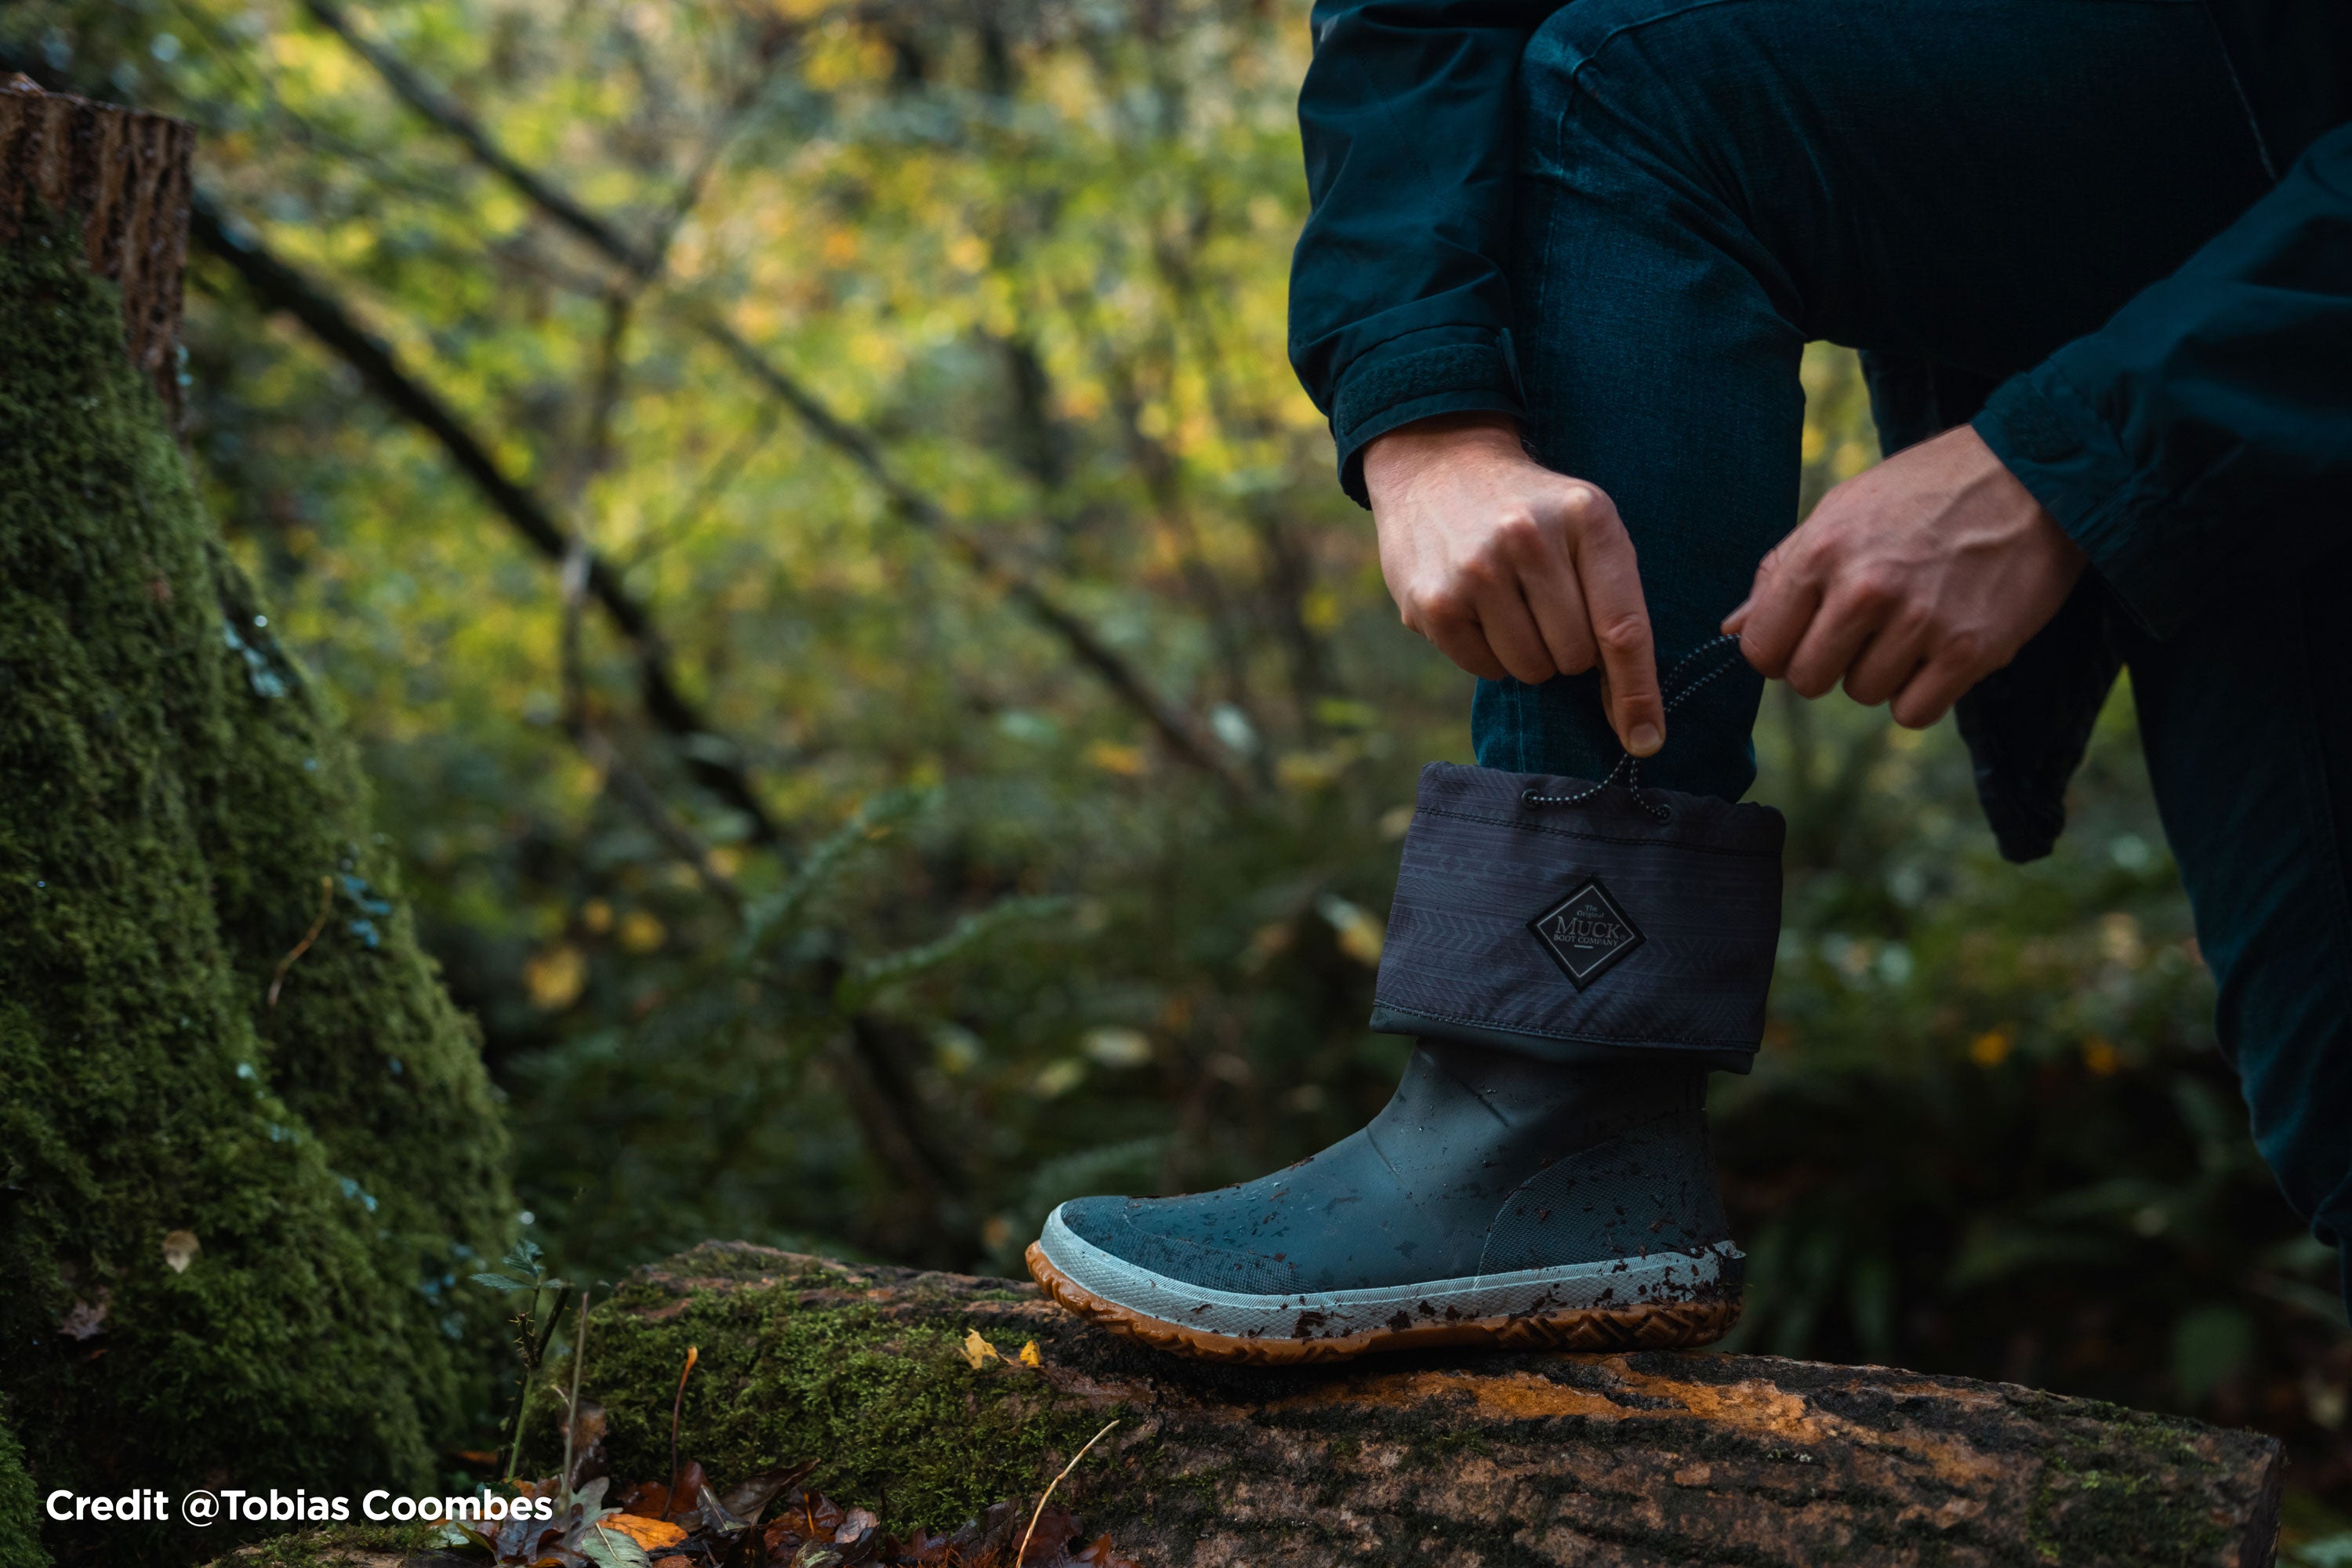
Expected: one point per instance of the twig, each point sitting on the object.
(277, 287)
(677, 1408)
(533, 1352)
(636, 792)
(326, 907)
(572, 1406)
(1039, 1512)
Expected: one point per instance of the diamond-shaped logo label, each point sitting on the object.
(1586, 932)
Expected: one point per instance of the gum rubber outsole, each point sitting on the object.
(1675, 1325)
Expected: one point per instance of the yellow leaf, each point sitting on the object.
(1991, 1049)
(1029, 1356)
(1126, 762)
(642, 932)
(1361, 935)
(555, 978)
(978, 1351)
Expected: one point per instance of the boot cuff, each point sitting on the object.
(1619, 925)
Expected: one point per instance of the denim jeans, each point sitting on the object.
(1704, 185)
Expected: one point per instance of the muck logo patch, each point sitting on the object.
(1586, 932)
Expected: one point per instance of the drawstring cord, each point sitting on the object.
(1627, 764)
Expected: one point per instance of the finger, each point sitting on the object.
(1738, 618)
(1832, 641)
(1464, 642)
(1620, 620)
(1886, 663)
(1556, 598)
(1929, 694)
(1510, 631)
(1778, 611)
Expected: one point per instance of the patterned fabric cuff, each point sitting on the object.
(1606, 924)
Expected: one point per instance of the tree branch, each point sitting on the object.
(277, 287)
(1176, 728)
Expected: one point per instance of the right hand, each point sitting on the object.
(1510, 569)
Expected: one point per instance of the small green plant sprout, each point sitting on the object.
(525, 1272)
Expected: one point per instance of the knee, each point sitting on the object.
(1669, 70)
(1657, 39)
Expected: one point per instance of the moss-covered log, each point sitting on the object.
(1646, 1459)
(244, 1140)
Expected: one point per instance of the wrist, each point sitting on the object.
(1399, 456)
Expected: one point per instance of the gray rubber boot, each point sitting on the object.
(1496, 1198)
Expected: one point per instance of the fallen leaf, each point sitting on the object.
(607, 1547)
(681, 1506)
(978, 1351)
(649, 1534)
(1029, 1356)
(180, 1249)
(1054, 1529)
(748, 1497)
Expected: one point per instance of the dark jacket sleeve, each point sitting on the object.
(2207, 427)
(1398, 304)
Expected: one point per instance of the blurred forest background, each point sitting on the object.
(889, 722)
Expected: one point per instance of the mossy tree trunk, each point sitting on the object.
(1599, 1461)
(229, 1222)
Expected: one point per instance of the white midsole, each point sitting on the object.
(1610, 1282)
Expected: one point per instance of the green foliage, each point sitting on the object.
(176, 808)
(20, 1509)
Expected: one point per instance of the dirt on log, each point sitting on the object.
(1460, 1457)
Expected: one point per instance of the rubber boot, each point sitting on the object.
(1497, 1198)
(1573, 959)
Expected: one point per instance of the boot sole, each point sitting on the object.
(1696, 1300)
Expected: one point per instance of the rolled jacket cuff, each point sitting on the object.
(1423, 373)
(1597, 931)
(2043, 432)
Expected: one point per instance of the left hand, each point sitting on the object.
(1910, 582)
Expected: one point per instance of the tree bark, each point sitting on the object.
(1602, 1461)
(127, 173)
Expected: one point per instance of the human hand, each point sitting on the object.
(1910, 582)
(1511, 569)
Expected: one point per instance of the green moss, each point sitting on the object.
(803, 1369)
(365, 1544)
(174, 789)
(20, 1519)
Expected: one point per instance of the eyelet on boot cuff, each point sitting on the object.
(1585, 931)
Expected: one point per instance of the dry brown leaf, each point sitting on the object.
(649, 1534)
